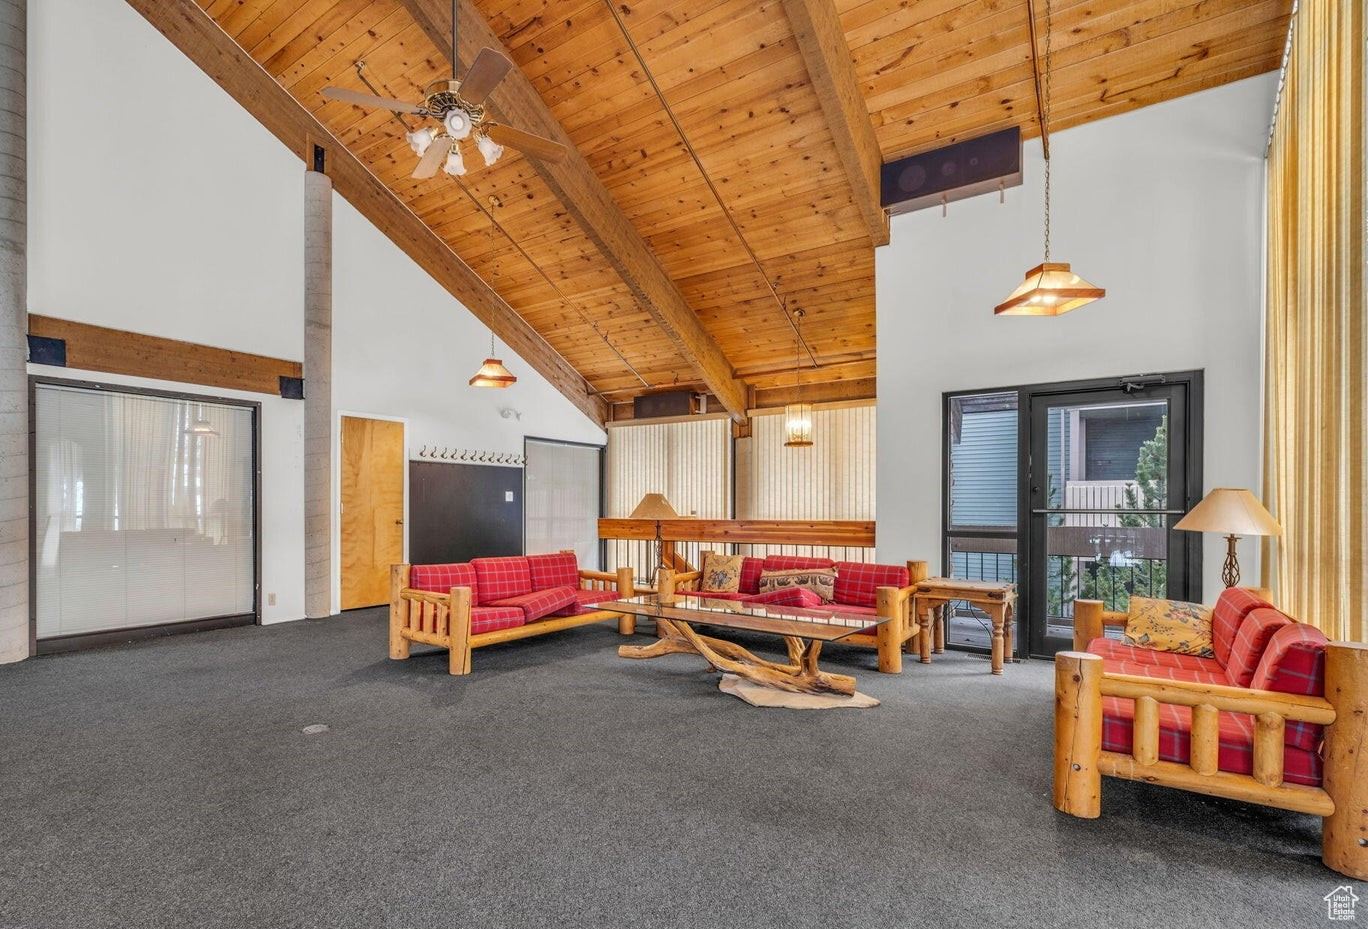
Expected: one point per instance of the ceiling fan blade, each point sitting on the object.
(527, 143)
(353, 96)
(483, 75)
(432, 158)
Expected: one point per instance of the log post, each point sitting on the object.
(399, 579)
(1205, 741)
(1270, 729)
(1145, 731)
(1344, 833)
(917, 571)
(1087, 623)
(458, 628)
(889, 634)
(665, 589)
(626, 589)
(1078, 734)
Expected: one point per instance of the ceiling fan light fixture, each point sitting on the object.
(491, 150)
(457, 122)
(455, 164)
(420, 139)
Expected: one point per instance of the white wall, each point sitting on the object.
(1163, 208)
(158, 205)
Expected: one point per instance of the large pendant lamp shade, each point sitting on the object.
(492, 373)
(1051, 288)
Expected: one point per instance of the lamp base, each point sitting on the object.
(1230, 571)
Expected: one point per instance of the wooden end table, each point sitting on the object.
(996, 598)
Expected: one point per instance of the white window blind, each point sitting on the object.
(562, 493)
(144, 510)
(689, 461)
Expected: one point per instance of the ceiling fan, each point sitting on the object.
(458, 107)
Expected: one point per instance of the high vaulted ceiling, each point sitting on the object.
(620, 284)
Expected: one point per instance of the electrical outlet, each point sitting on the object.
(508, 496)
(270, 599)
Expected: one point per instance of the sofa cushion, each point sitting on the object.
(795, 562)
(857, 583)
(440, 578)
(1215, 675)
(1255, 633)
(490, 618)
(1236, 752)
(751, 569)
(1294, 663)
(540, 603)
(820, 581)
(1170, 626)
(1116, 650)
(1234, 604)
(585, 602)
(501, 578)
(558, 570)
(721, 573)
(785, 596)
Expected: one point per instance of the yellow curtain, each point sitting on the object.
(1316, 380)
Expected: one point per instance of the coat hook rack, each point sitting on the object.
(470, 455)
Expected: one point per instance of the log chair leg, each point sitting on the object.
(889, 633)
(1344, 834)
(458, 631)
(1078, 734)
(398, 645)
(626, 588)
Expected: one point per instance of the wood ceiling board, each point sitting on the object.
(583, 193)
(201, 40)
(332, 28)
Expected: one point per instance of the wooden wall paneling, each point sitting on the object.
(206, 44)
(116, 351)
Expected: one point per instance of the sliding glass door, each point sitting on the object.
(563, 499)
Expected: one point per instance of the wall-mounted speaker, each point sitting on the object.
(665, 403)
(965, 169)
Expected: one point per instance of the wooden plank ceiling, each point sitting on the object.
(930, 72)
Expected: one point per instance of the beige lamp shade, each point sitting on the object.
(1050, 289)
(1231, 511)
(654, 506)
(492, 374)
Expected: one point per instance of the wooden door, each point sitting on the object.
(372, 516)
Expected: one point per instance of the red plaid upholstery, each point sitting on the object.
(1116, 650)
(489, 618)
(1158, 672)
(786, 596)
(1234, 604)
(1294, 663)
(857, 582)
(751, 569)
(585, 601)
(1255, 633)
(1236, 751)
(501, 578)
(558, 570)
(795, 563)
(540, 603)
(440, 578)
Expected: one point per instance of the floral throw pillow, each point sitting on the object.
(1170, 626)
(821, 581)
(721, 573)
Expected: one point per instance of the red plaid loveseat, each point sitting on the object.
(1278, 716)
(462, 606)
(861, 587)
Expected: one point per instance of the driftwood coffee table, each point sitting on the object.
(803, 630)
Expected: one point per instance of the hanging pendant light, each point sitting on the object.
(797, 415)
(1051, 288)
(201, 426)
(492, 373)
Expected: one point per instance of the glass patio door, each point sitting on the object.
(1108, 478)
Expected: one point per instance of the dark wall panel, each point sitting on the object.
(460, 511)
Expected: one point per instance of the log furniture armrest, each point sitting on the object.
(1091, 620)
(1223, 697)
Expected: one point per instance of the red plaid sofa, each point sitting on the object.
(462, 606)
(859, 589)
(1268, 719)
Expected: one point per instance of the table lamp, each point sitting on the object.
(1233, 511)
(656, 507)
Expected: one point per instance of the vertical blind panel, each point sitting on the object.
(144, 510)
(689, 462)
(562, 500)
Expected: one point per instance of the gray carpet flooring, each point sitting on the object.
(169, 784)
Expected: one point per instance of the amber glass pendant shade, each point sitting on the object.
(492, 374)
(1050, 289)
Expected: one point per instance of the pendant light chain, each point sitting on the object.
(1045, 129)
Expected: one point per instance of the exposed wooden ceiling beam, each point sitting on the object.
(574, 182)
(822, 41)
(192, 31)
